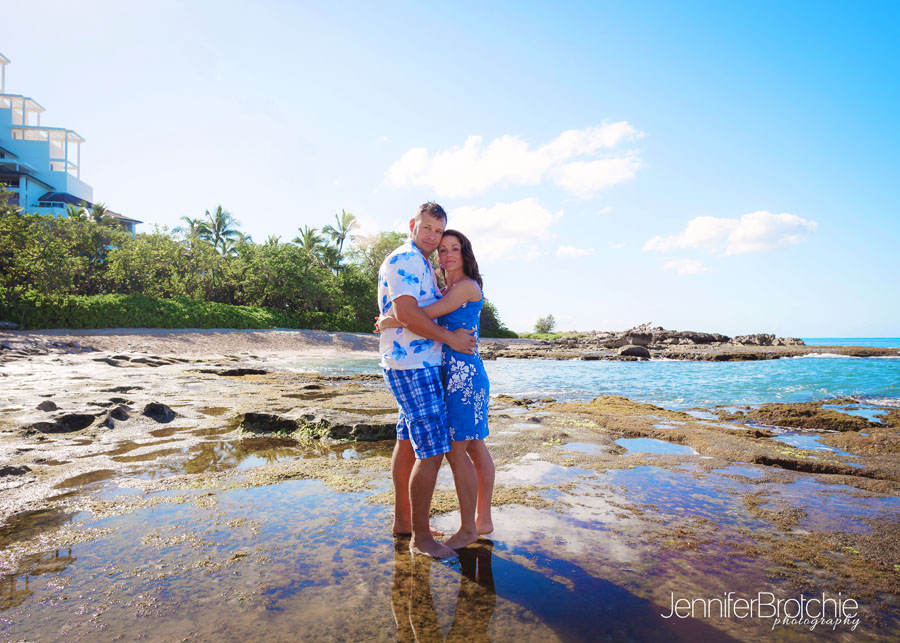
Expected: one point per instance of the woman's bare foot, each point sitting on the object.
(462, 538)
(431, 548)
(484, 525)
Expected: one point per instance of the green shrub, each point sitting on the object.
(142, 311)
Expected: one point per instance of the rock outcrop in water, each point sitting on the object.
(647, 341)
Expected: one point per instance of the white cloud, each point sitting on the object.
(616, 246)
(584, 178)
(685, 266)
(572, 251)
(504, 228)
(605, 210)
(754, 232)
(474, 167)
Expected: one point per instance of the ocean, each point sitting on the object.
(877, 342)
(682, 385)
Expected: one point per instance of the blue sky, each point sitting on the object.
(728, 167)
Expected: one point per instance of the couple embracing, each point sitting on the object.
(436, 375)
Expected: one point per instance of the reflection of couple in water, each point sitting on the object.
(413, 604)
(436, 375)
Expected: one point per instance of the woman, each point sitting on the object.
(466, 388)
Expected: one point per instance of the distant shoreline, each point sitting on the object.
(226, 341)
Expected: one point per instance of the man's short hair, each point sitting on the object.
(432, 209)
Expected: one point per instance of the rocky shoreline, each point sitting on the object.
(654, 342)
(646, 498)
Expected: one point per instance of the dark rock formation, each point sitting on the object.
(65, 423)
(268, 423)
(635, 351)
(47, 406)
(239, 372)
(159, 412)
(9, 470)
(322, 423)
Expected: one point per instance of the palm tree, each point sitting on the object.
(219, 227)
(310, 240)
(339, 233)
(195, 228)
(273, 240)
(100, 214)
(76, 211)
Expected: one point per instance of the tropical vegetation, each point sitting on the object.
(85, 271)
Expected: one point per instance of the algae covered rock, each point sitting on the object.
(801, 416)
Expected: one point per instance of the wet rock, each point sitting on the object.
(9, 470)
(121, 389)
(240, 372)
(150, 361)
(634, 351)
(159, 412)
(119, 413)
(67, 423)
(323, 424)
(268, 423)
(801, 416)
(47, 405)
(108, 360)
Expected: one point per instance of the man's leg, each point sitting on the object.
(466, 480)
(421, 488)
(402, 461)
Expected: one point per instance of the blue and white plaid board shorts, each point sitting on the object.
(423, 414)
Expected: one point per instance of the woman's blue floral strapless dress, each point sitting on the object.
(466, 383)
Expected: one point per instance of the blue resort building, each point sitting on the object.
(41, 165)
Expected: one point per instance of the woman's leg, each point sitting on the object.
(484, 468)
(466, 480)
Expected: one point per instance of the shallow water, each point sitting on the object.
(652, 445)
(297, 558)
(809, 442)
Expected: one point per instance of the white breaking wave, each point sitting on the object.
(825, 355)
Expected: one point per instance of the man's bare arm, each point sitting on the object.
(408, 313)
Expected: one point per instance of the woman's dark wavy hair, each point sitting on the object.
(470, 266)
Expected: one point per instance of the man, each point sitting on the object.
(411, 359)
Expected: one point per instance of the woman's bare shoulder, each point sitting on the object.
(472, 289)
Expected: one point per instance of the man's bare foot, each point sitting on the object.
(401, 527)
(484, 526)
(401, 530)
(431, 548)
(462, 538)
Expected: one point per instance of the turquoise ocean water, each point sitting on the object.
(878, 342)
(682, 384)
